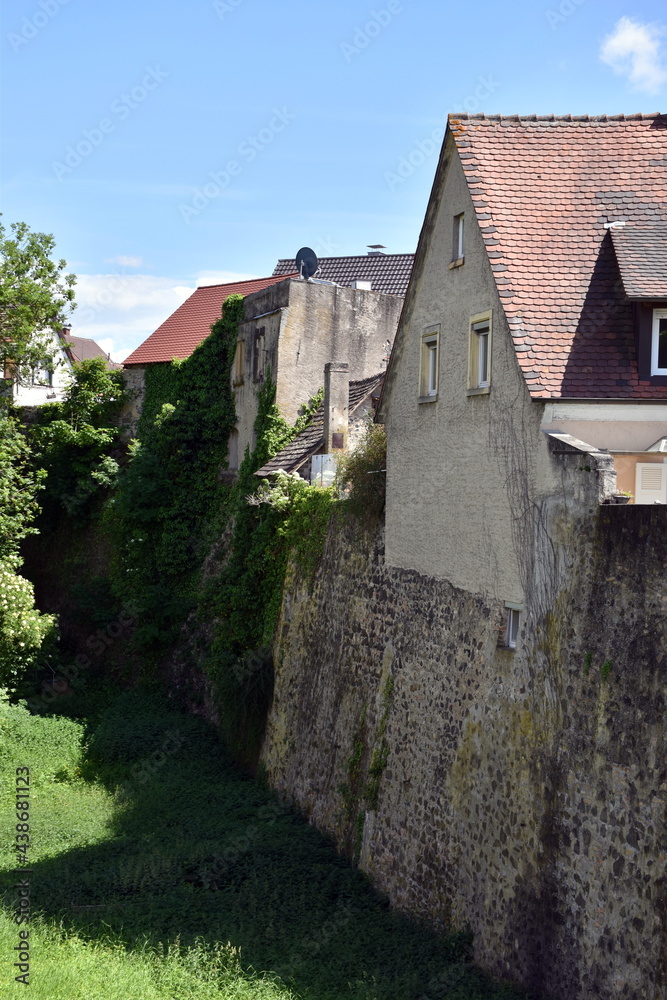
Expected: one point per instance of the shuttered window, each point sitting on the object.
(650, 483)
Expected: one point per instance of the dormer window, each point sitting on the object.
(659, 342)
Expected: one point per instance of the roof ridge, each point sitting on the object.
(639, 116)
(358, 256)
(240, 281)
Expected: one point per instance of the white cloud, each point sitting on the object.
(123, 309)
(223, 277)
(633, 49)
(120, 310)
(125, 261)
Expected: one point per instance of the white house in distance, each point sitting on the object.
(49, 382)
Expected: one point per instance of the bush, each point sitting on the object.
(27, 638)
(361, 476)
(74, 438)
(19, 486)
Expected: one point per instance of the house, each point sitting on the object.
(338, 424)
(292, 330)
(84, 349)
(375, 271)
(48, 382)
(178, 336)
(535, 322)
(291, 327)
(527, 382)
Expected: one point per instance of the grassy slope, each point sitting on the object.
(161, 872)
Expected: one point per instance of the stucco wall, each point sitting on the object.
(36, 395)
(463, 471)
(523, 794)
(306, 325)
(626, 469)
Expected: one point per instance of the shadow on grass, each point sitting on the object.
(197, 850)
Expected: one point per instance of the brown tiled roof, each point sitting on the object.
(83, 348)
(543, 188)
(191, 323)
(641, 252)
(310, 440)
(388, 272)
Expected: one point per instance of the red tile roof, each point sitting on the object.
(543, 190)
(641, 252)
(387, 272)
(191, 323)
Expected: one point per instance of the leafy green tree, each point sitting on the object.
(27, 638)
(19, 485)
(74, 439)
(35, 296)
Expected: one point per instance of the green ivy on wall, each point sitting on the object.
(172, 505)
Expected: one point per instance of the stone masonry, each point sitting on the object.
(519, 793)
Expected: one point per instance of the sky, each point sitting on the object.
(169, 145)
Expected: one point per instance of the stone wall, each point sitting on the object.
(519, 793)
(135, 389)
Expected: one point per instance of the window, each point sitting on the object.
(258, 355)
(510, 631)
(428, 375)
(513, 616)
(659, 342)
(479, 354)
(457, 240)
(42, 375)
(650, 483)
(239, 363)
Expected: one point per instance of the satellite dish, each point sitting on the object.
(306, 262)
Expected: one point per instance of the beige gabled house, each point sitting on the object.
(535, 323)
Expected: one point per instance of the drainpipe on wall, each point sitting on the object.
(336, 405)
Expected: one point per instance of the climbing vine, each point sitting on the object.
(173, 505)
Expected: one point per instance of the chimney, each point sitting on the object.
(336, 404)
(362, 284)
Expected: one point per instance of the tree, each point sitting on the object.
(35, 296)
(19, 485)
(73, 439)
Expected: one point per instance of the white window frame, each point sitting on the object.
(458, 243)
(429, 374)
(658, 314)
(480, 332)
(512, 624)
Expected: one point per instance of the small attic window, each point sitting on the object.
(458, 242)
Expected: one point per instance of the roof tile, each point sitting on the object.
(191, 323)
(387, 273)
(550, 184)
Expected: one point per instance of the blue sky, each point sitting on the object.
(167, 145)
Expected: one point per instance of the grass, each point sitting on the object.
(159, 871)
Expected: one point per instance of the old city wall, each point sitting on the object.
(519, 793)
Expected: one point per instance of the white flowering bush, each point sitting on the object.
(27, 638)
